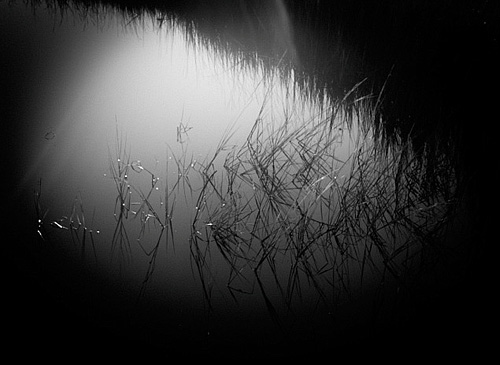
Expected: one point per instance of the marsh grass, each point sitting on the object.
(303, 211)
(312, 210)
(413, 51)
(317, 210)
(141, 207)
(291, 213)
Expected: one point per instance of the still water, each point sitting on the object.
(105, 94)
(210, 191)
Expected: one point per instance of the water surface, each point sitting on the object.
(212, 196)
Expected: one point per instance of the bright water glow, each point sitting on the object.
(116, 126)
(155, 94)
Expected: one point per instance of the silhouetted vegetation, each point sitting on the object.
(282, 211)
(427, 66)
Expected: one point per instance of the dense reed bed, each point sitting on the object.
(420, 52)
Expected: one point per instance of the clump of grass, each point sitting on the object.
(289, 206)
(148, 210)
(304, 210)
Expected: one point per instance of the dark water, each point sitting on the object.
(344, 205)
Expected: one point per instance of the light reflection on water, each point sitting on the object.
(128, 125)
(165, 101)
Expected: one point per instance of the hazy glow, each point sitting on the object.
(144, 84)
(147, 83)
